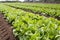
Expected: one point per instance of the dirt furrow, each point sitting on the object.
(5, 29)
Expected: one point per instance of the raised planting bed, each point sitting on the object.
(40, 13)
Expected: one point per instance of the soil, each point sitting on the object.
(5, 29)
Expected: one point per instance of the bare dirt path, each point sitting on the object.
(5, 29)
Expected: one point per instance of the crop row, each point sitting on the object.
(54, 12)
(49, 6)
(29, 26)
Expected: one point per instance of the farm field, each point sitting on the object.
(42, 9)
(33, 21)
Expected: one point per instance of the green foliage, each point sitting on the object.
(29, 26)
(49, 9)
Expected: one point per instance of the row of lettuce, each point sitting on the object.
(49, 6)
(44, 9)
(29, 26)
